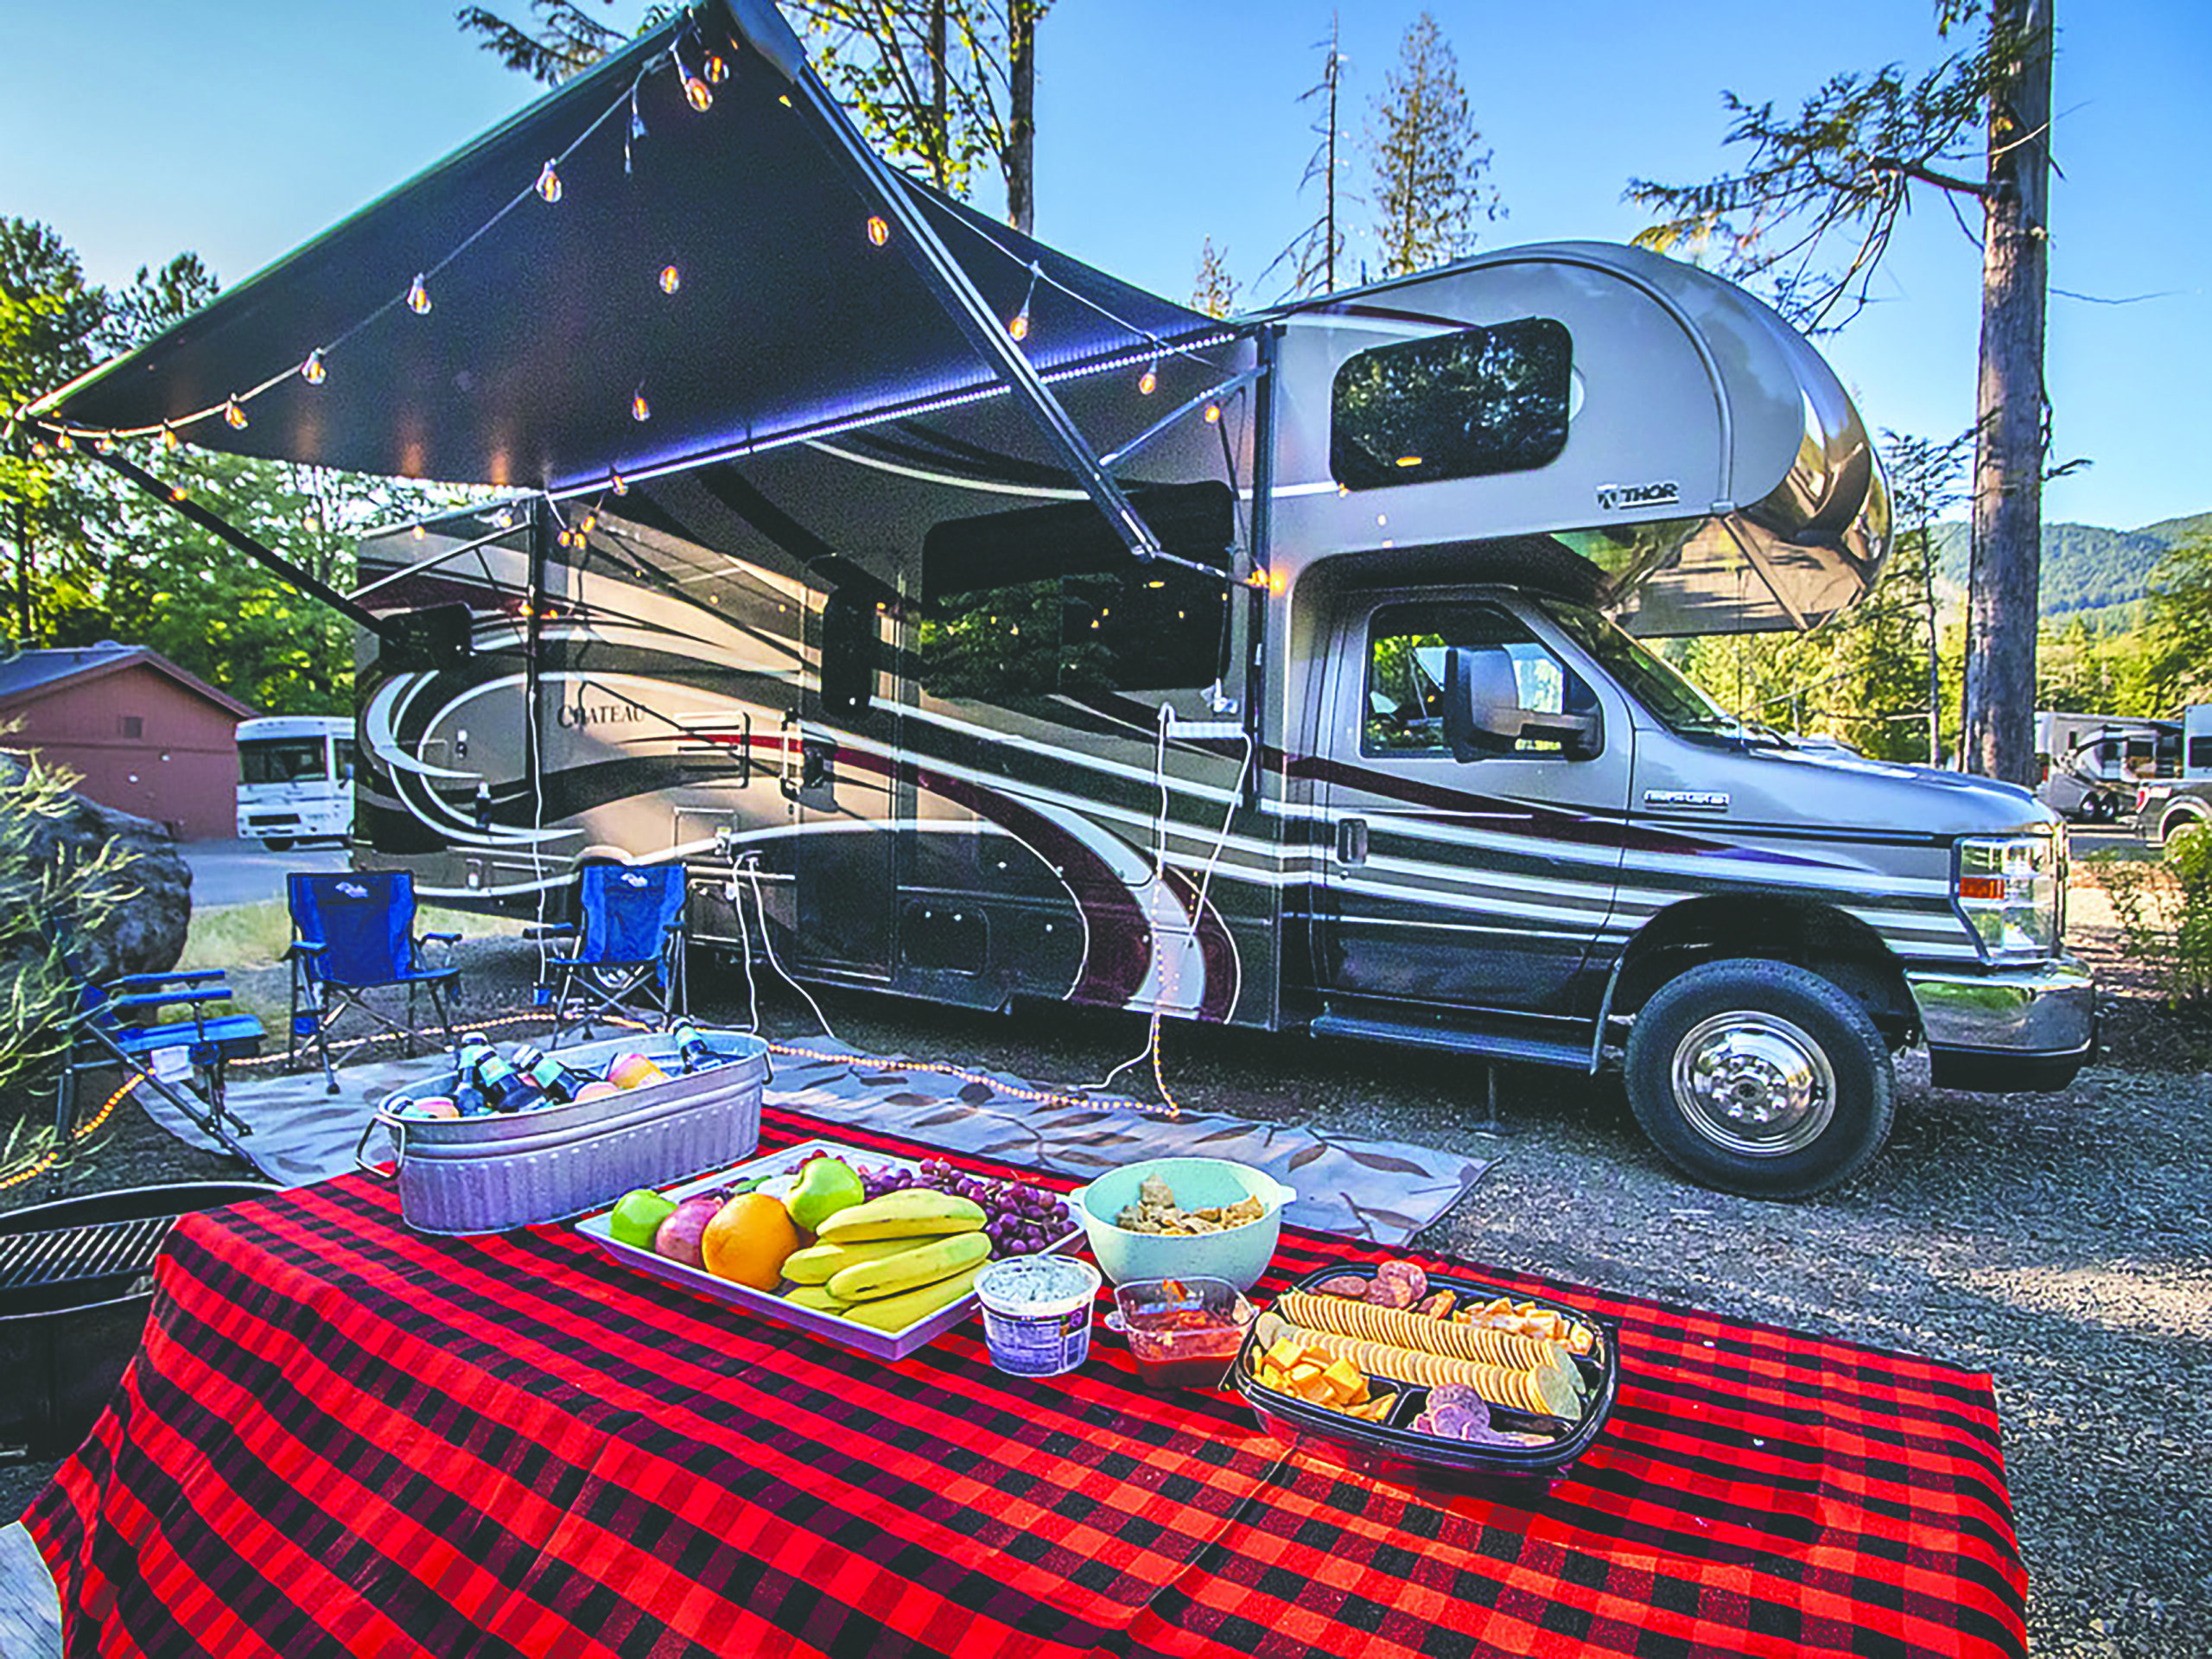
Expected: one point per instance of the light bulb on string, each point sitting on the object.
(38, 449)
(587, 524)
(418, 296)
(640, 410)
(1018, 328)
(878, 231)
(549, 183)
(234, 414)
(670, 279)
(1213, 414)
(176, 492)
(717, 71)
(637, 127)
(312, 371)
(616, 483)
(169, 438)
(1148, 382)
(63, 441)
(696, 92)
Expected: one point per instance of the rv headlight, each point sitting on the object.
(2010, 891)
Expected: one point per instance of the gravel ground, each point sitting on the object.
(2062, 1243)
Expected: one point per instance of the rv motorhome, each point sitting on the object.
(2093, 765)
(981, 628)
(1375, 757)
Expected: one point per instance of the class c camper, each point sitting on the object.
(1286, 670)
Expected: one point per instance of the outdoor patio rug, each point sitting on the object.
(1384, 1190)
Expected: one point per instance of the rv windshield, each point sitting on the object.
(281, 761)
(1651, 682)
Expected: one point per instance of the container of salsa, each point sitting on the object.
(1183, 1334)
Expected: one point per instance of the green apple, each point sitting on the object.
(825, 1187)
(638, 1215)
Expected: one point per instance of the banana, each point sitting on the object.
(816, 1297)
(818, 1263)
(921, 1264)
(912, 1212)
(897, 1312)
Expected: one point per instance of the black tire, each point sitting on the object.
(277, 843)
(1771, 1024)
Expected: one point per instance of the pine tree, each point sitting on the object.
(1313, 253)
(1429, 189)
(1812, 214)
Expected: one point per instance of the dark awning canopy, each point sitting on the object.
(735, 275)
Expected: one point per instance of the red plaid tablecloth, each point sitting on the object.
(344, 1437)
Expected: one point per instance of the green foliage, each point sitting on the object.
(45, 903)
(2178, 631)
(1810, 213)
(1429, 188)
(92, 559)
(2085, 567)
(1214, 290)
(2165, 911)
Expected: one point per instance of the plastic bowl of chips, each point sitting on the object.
(1220, 1220)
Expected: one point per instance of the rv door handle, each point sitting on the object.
(1351, 840)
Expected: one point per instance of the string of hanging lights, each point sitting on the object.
(697, 69)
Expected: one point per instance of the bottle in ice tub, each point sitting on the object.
(468, 1085)
(506, 1090)
(634, 1071)
(560, 1081)
(691, 1048)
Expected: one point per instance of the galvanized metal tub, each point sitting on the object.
(487, 1174)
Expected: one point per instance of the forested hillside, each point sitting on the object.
(2088, 570)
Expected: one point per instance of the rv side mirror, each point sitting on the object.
(848, 653)
(1482, 713)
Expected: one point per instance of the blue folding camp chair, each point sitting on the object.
(114, 1023)
(352, 934)
(631, 938)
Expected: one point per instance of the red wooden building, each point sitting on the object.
(147, 736)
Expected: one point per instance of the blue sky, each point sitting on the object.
(241, 128)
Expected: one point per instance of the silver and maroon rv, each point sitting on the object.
(1367, 746)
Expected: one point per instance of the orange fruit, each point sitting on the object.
(748, 1240)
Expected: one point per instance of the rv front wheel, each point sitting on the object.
(1760, 1077)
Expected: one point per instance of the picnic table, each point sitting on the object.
(342, 1436)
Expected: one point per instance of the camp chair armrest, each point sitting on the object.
(185, 977)
(439, 938)
(306, 948)
(157, 999)
(549, 929)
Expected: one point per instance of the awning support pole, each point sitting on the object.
(761, 24)
(307, 584)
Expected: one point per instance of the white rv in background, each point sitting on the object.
(295, 779)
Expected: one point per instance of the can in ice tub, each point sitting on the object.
(1036, 1314)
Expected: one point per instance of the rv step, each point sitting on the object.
(1489, 1044)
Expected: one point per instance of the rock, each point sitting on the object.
(145, 933)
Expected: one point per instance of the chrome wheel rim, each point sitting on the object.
(1753, 1085)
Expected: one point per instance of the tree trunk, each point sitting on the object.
(940, 124)
(2002, 600)
(23, 577)
(1020, 155)
(1934, 649)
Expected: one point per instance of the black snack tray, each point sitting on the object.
(1394, 1445)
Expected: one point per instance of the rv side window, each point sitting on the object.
(1467, 404)
(1137, 628)
(2200, 754)
(1405, 676)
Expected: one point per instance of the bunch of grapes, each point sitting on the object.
(1019, 1220)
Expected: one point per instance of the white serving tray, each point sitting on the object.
(878, 1345)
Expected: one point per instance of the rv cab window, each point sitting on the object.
(1405, 647)
(1466, 404)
